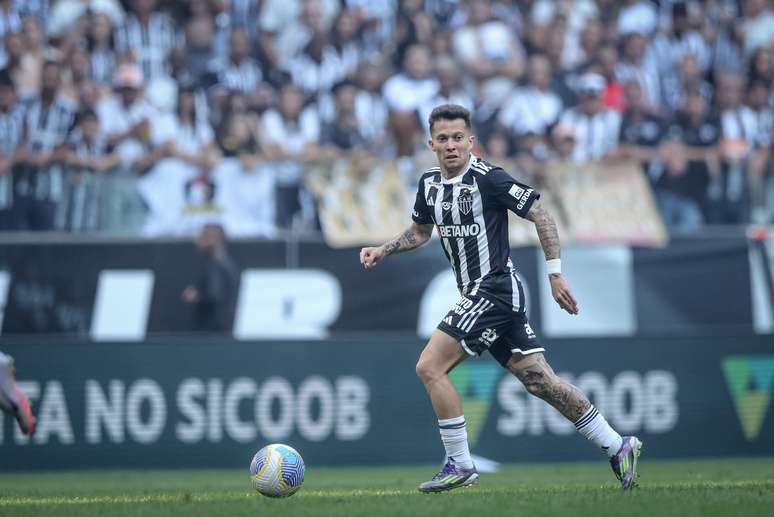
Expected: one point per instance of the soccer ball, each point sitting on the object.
(277, 470)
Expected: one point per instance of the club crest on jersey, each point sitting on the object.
(465, 201)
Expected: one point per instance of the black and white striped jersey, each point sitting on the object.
(48, 126)
(470, 212)
(11, 132)
(149, 43)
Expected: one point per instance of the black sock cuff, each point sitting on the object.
(591, 414)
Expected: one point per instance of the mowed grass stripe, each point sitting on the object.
(358, 493)
(715, 488)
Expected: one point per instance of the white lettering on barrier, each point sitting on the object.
(630, 402)
(240, 389)
(661, 391)
(116, 411)
(53, 416)
(626, 401)
(315, 388)
(104, 411)
(214, 397)
(193, 428)
(275, 388)
(352, 396)
(140, 392)
(285, 304)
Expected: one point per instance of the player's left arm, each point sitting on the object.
(413, 237)
(549, 240)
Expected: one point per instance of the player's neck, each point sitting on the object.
(448, 173)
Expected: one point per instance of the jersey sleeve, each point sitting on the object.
(421, 212)
(509, 193)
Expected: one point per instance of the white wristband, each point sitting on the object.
(554, 266)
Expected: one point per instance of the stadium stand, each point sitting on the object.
(268, 117)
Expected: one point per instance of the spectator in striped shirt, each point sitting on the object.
(594, 127)
(48, 121)
(147, 37)
(11, 128)
(241, 72)
(100, 41)
(200, 32)
(10, 22)
(79, 85)
(87, 156)
(744, 150)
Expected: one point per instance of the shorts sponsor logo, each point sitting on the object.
(415, 213)
(489, 336)
(529, 331)
(459, 230)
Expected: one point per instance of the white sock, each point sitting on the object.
(455, 441)
(595, 428)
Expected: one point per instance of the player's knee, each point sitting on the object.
(426, 370)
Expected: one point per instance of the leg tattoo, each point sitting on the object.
(540, 380)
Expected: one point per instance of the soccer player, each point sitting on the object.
(466, 199)
(12, 400)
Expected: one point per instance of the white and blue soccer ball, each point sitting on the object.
(277, 470)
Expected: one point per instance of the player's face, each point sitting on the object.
(451, 142)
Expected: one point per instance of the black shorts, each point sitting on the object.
(481, 324)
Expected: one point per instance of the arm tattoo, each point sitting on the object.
(546, 230)
(404, 242)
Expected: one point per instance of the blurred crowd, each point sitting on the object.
(215, 108)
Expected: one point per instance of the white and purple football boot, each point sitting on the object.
(450, 477)
(624, 462)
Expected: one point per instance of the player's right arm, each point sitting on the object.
(524, 202)
(413, 237)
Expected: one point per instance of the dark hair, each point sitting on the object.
(6, 79)
(449, 112)
(757, 82)
(345, 83)
(86, 114)
(52, 62)
(186, 88)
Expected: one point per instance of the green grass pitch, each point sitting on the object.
(686, 488)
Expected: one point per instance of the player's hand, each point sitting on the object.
(560, 290)
(369, 257)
